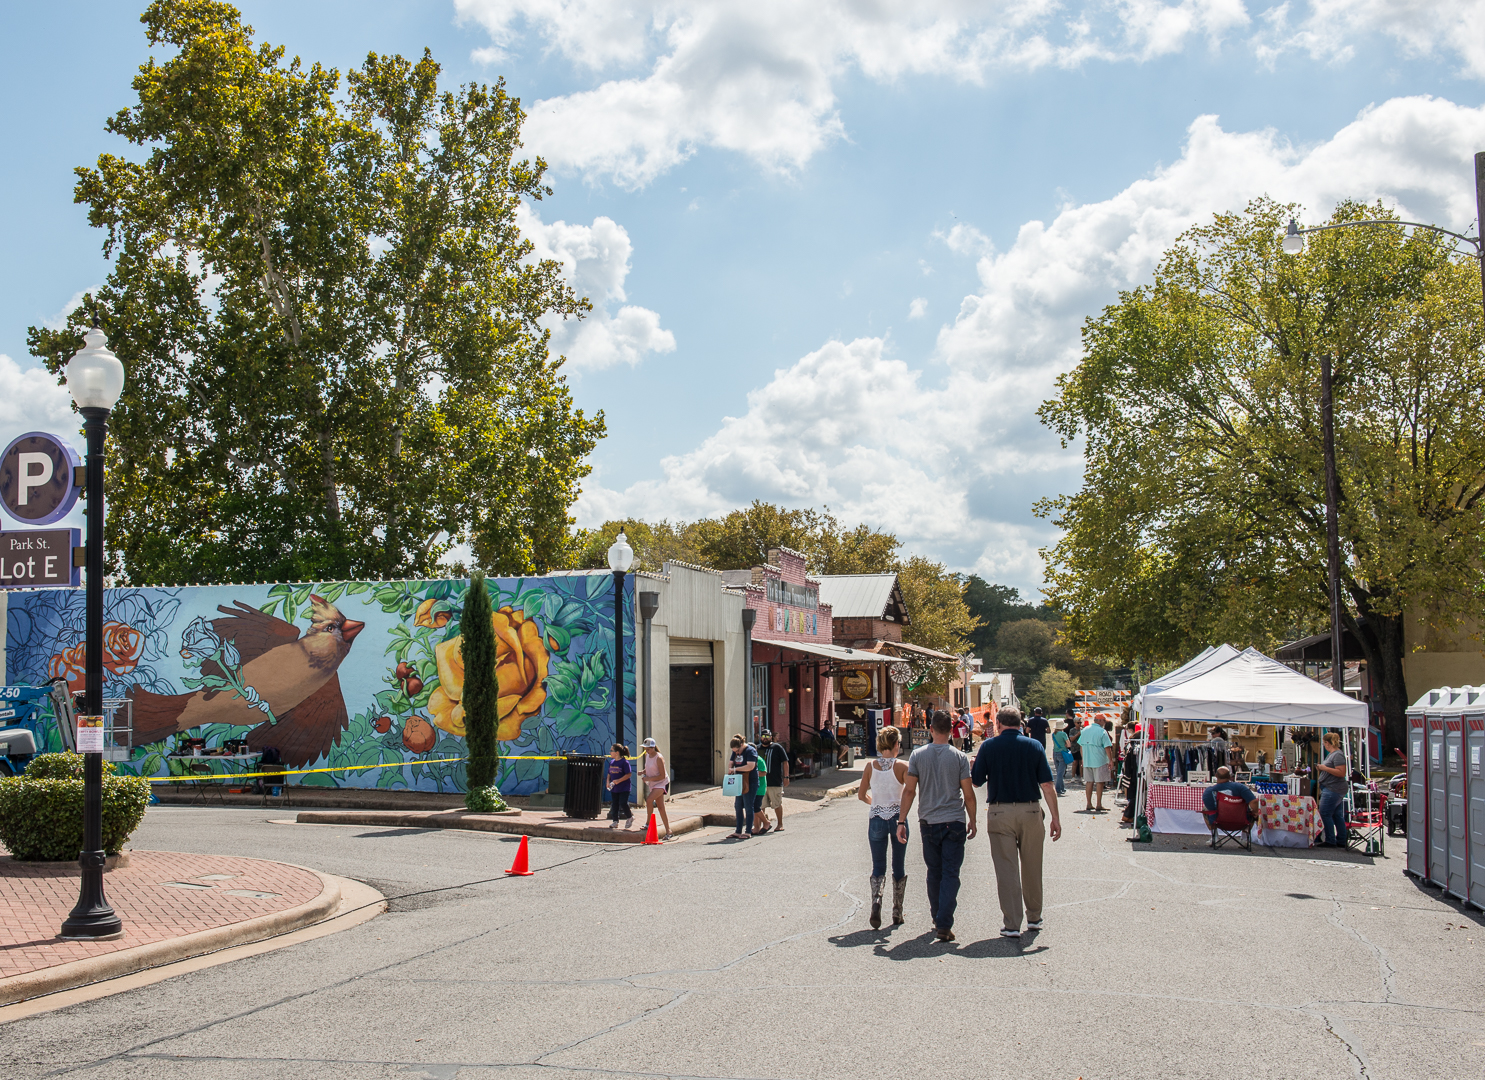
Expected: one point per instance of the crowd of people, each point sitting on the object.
(1021, 809)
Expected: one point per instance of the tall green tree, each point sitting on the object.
(1201, 517)
(328, 318)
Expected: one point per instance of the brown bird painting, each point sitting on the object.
(295, 675)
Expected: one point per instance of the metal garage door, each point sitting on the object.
(683, 651)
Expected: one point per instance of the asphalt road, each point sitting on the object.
(707, 958)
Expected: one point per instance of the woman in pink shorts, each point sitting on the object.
(657, 782)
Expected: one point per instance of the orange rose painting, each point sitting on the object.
(121, 645)
(521, 662)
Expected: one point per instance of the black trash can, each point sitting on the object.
(584, 796)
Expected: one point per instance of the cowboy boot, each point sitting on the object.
(876, 902)
(899, 890)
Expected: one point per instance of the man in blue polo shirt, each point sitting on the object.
(1014, 770)
(1227, 785)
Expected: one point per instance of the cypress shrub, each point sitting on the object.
(481, 693)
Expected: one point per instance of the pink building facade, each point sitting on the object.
(791, 687)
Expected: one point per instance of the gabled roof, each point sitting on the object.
(864, 596)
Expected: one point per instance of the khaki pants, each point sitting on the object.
(1016, 836)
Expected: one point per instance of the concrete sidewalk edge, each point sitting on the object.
(593, 834)
(126, 961)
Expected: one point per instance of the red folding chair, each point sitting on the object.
(1231, 822)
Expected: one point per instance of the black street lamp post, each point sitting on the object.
(95, 379)
(620, 558)
(1293, 244)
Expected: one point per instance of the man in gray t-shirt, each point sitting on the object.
(942, 774)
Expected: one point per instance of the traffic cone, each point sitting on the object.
(520, 868)
(651, 836)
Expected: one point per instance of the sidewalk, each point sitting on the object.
(547, 824)
(173, 906)
(688, 811)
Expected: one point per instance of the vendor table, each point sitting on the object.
(184, 765)
(1283, 820)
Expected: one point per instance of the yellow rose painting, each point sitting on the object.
(521, 662)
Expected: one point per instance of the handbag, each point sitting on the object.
(732, 784)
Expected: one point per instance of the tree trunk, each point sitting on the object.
(1381, 638)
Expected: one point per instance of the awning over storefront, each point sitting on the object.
(933, 654)
(831, 652)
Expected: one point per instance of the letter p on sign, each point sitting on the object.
(36, 471)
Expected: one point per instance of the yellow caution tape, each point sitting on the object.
(338, 768)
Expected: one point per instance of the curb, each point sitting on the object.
(127, 961)
(593, 834)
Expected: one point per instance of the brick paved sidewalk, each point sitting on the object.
(160, 895)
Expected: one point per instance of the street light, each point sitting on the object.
(620, 558)
(95, 378)
(1293, 244)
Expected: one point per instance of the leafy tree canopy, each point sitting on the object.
(328, 319)
(1201, 517)
(994, 605)
(1050, 690)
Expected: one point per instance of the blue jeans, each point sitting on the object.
(1333, 814)
(1062, 760)
(943, 852)
(742, 805)
(878, 832)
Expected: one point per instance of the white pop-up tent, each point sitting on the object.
(1205, 660)
(1250, 688)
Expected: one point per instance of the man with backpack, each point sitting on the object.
(773, 769)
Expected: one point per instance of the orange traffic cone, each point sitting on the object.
(520, 868)
(651, 836)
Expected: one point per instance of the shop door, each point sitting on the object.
(691, 748)
(795, 693)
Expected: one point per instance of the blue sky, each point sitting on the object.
(839, 251)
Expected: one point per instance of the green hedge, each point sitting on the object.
(41, 813)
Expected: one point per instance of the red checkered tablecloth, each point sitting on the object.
(1174, 797)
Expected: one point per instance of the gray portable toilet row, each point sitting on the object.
(1446, 791)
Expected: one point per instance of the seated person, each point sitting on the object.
(1225, 783)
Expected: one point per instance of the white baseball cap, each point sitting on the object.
(650, 742)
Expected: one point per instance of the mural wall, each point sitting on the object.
(341, 674)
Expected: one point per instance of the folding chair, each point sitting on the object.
(1231, 822)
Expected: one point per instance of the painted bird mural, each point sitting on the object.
(295, 675)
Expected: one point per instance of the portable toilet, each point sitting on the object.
(1474, 790)
(1456, 817)
(1420, 818)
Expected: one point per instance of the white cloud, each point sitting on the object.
(31, 399)
(918, 308)
(760, 77)
(1327, 29)
(595, 260)
(953, 464)
(965, 239)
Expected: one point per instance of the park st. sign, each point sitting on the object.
(38, 486)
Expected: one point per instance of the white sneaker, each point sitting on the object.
(1010, 933)
(1034, 924)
